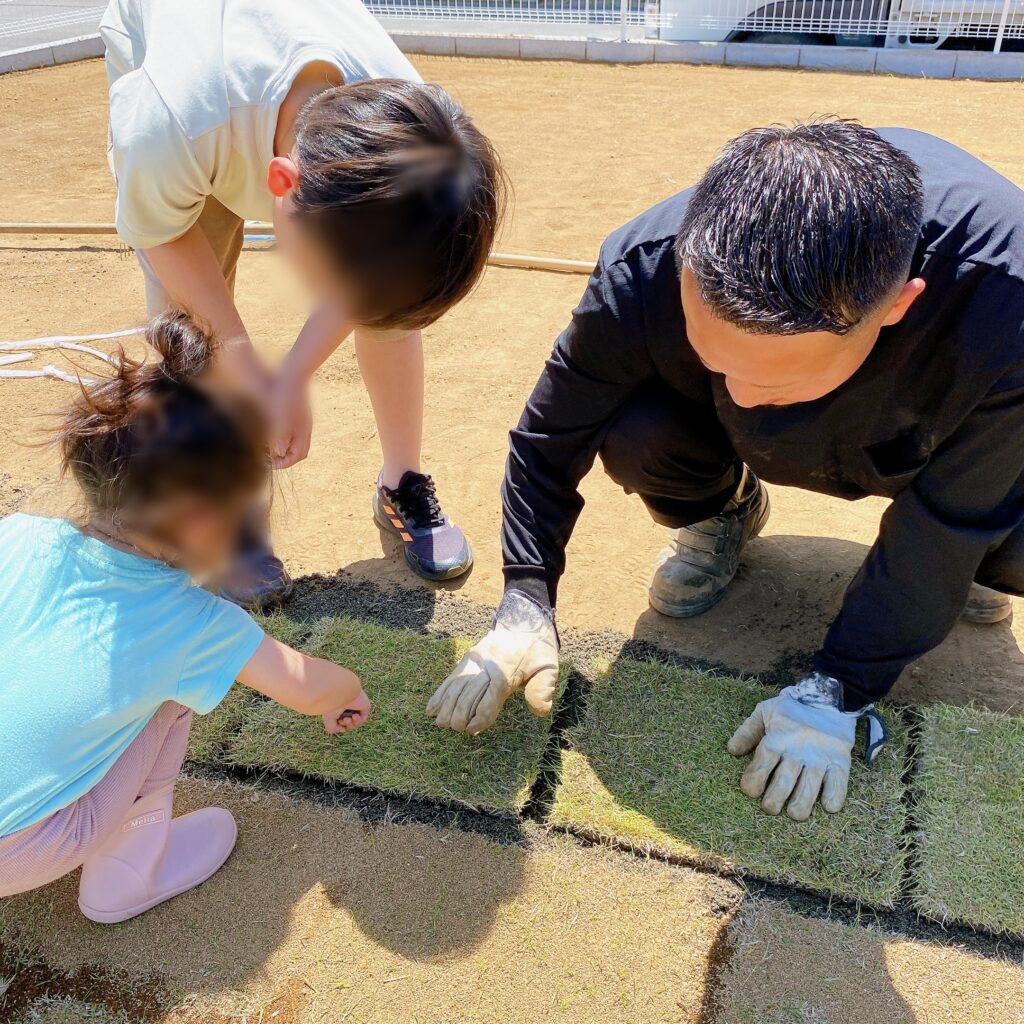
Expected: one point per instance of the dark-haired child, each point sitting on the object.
(384, 196)
(110, 646)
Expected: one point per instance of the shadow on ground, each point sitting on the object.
(418, 894)
(777, 610)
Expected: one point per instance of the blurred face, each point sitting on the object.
(310, 262)
(783, 369)
(194, 534)
(312, 265)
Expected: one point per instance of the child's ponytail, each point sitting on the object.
(186, 350)
(151, 431)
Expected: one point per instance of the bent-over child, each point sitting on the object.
(110, 645)
(384, 195)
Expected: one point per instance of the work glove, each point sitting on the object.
(519, 653)
(804, 744)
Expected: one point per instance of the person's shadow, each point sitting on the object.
(777, 610)
(768, 625)
(305, 884)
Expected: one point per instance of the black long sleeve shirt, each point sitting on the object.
(934, 418)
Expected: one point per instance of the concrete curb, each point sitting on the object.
(45, 55)
(916, 63)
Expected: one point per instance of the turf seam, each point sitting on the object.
(569, 711)
(144, 1000)
(900, 919)
(379, 807)
(374, 806)
(419, 610)
(911, 826)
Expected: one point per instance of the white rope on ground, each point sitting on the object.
(25, 350)
(50, 371)
(71, 341)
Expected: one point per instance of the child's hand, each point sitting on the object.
(291, 422)
(350, 718)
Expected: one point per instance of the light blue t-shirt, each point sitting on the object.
(92, 641)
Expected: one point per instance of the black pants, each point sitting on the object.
(676, 456)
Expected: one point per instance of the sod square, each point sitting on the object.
(210, 733)
(648, 766)
(400, 749)
(969, 790)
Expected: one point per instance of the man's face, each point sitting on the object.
(783, 369)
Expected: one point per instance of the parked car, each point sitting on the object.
(973, 24)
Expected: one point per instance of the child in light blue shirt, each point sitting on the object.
(109, 646)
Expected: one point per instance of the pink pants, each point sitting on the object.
(51, 848)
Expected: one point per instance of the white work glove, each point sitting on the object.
(519, 653)
(804, 744)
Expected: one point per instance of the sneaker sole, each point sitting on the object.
(687, 611)
(987, 616)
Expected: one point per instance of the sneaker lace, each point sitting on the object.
(419, 502)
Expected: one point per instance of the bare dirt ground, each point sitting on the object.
(389, 923)
(576, 178)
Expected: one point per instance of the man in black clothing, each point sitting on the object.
(832, 308)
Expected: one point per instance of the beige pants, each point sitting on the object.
(224, 231)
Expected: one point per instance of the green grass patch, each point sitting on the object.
(648, 766)
(399, 749)
(211, 733)
(970, 814)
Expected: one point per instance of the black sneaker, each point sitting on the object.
(435, 548)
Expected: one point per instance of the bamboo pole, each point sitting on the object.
(496, 259)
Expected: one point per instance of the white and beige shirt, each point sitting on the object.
(195, 89)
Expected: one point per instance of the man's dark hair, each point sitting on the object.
(802, 228)
(405, 193)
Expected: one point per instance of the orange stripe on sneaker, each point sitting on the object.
(406, 536)
(389, 510)
(397, 522)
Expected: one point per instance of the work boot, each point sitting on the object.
(434, 547)
(693, 572)
(985, 606)
(151, 858)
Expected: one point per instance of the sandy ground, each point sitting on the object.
(856, 976)
(314, 912)
(322, 917)
(574, 182)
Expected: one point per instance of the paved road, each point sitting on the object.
(31, 22)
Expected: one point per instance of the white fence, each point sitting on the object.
(906, 23)
(595, 18)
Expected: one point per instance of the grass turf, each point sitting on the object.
(400, 749)
(648, 766)
(210, 733)
(970, 793)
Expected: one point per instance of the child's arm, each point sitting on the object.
(326, 328)
(192, 277)
(311, 686)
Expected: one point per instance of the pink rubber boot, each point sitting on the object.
(152, 858)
